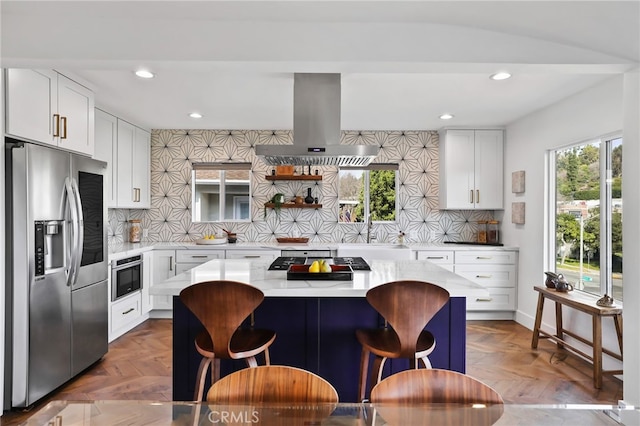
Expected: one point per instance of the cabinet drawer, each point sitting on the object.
(198, 256)
(500, 299)
(488, 275)
(125, 311)
(252, 254)
(439, 257)
(486, 257)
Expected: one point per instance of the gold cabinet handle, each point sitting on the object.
(483, 299)
(64, 127)
(471, 196)
(483, 276)
(435, 257)
(484, 257)
(56, 125)
(477, 196)
(171, 263)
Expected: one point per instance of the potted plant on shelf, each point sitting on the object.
(277, 200)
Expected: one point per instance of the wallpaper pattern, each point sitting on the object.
(173, 152)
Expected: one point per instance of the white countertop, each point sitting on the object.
(118, 251)
(275, 283)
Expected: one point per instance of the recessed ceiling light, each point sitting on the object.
(500, 76)
(145, 74)
(195, 115)
(446, 117)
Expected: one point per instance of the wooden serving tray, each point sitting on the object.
(292, 239)
(338, 273)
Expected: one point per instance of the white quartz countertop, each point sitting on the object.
(120, 250)
(275, 283)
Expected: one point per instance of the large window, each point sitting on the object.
(221, 192)
(588, 215)
(367, 191)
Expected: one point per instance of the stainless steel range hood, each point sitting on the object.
(316, 128)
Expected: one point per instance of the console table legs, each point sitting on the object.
(583, 304)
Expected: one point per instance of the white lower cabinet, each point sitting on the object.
(252, 254)
(187, 259)
(494, 270)
(442, 258)
(125, 314)
(163, 267)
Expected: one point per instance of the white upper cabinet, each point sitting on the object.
(133, 160)
(47, 107)
(471, 169)
(127, 149)
(106, 149)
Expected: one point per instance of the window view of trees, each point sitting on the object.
(363, 192)
(580, 250)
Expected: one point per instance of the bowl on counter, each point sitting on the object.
(214, 241)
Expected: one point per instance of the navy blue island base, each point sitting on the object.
(317, 334)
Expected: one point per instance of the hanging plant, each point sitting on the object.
(277, 200)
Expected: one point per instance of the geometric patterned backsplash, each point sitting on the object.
(173, 151)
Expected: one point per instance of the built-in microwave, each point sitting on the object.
(126, 276)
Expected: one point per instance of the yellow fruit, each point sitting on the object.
(315, 267)
(324, 266)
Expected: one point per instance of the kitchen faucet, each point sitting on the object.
(369, 227)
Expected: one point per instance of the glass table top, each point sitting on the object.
(134, 413)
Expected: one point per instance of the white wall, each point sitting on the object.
(2, 238)
(597, 111)
(631, 238)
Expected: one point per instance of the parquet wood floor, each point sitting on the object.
(138, 366)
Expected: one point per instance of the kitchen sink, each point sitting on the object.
(376, 251)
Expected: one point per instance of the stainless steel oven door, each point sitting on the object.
(126, 276)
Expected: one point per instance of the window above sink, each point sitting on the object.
(221, 192)
(368, 191)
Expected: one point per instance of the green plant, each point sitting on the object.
(277, 200)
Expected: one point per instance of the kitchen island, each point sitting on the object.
(315, 321)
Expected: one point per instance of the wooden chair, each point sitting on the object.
(443, 397)
(278, 395)
(407, 306)
(433, 386)
(272, 384)
(222, 306)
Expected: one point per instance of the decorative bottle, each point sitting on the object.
(309, 198)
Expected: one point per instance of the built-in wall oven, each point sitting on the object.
(126, 276)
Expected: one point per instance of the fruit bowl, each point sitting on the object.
(217, 240)
(338, 273)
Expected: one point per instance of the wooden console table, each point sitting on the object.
(586, 303)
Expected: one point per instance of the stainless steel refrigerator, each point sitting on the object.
(56, 283)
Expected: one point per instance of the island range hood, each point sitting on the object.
(316, 128)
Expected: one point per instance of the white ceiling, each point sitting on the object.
(402, 63)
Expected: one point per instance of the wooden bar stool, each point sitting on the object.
(458, 399)
(407, 306)
(272, 384)
(221, 307)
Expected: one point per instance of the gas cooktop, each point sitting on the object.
(282, 263)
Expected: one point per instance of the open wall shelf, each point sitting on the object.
(293, 177)
(294, 206)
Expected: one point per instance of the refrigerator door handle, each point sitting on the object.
(73, 209)
(80, 230)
